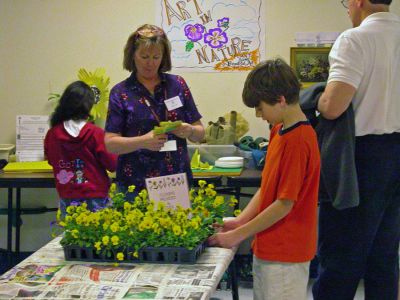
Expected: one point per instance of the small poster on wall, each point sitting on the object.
(171, 189)
(213, 35)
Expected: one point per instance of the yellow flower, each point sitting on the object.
(211, 186)
(75, 233)
(202, 183)
(81, 218)
(143, 194)
(160, 205)
(146, 223)
(113, 188)
(164, 222)
(192, 193)
(127, 206)
(233, 201)
(210, 192)
(219, 200)
(156, 228)
(58, 216)
(120, 256)
(105, 240)
(181, 215)
(131, 188)
(115, 240)
(136, 254)
(194, 223)
(70, 209)
(62, 224)
(114, 227)
(237, 212)
(97, 245)
(177, 229)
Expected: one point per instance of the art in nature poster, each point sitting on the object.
(213, 35)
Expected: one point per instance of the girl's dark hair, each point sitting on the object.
(75, 104)
(270, 80)
(147, 35)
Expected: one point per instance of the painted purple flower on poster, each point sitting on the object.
(224, 22)
(215, 38)
(194, 32)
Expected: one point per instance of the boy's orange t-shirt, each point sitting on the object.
(291, 171)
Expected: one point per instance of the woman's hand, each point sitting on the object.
(184, 131)
(153, 142)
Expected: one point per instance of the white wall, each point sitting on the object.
(44, 42)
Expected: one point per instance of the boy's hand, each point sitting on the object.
(224, 239)
(228, 225)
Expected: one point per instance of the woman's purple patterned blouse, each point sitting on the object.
(129, 116)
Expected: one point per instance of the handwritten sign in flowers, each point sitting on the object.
(214, 35)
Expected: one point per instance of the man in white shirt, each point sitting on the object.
(363, 242)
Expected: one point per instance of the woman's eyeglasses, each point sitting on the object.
(345, 3)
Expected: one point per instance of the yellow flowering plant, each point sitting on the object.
(126, 227)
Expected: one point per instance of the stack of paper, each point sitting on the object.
(31, 130)
(315, 39)
(28, 166)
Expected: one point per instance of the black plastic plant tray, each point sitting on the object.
(171, 255)
(158, 255)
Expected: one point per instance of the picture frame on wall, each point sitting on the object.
(311, 64)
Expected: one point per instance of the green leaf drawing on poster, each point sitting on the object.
(189, 46)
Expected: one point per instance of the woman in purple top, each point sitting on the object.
(148, 97)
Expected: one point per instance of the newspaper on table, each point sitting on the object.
(192, 293)
(78, 290)
(24, 290)
(31, 272)
(46, 275)
(193, 275)
(104, 273)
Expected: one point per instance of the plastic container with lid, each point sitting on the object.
(5, 150)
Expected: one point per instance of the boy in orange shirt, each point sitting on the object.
(283, 213)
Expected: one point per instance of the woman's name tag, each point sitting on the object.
(169, 145)
(173, 103)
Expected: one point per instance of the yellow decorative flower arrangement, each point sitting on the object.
(127, 227)
(98, 81)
